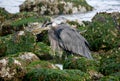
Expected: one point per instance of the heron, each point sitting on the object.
(64, 37)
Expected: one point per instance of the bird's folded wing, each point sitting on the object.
(72, 41)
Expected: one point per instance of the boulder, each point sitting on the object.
(52, 7)
(103, 32)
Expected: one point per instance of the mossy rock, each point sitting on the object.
(86, 65)
(110, 62)
(117, 74)
(19, 21)
(41, 64)
(42, 50)
(15, 43)
(110, 78)
(55, 7)
(4, 15)
(11, 69)
(78, 25)
(102, 32)
(25, 21)
(79, 63)
(56, 75)
(15, 66)
(80, 2)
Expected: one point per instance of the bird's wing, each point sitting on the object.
(71, 40)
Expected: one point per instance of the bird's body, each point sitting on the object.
(63, 37)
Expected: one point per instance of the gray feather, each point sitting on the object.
(71, 40)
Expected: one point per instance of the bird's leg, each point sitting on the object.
(67, 54)
(59, 55)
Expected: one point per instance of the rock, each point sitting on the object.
(48, 7)
(4, 15)
(75, 10)
(18, 22)
(88, 66)
(14, 67)
(11, 69)
(110, 62)
(27, 58)
(40, 64)
(18, 42)
(77, 24)
(109, 78)
(42, 50)
(34, 28)
(6, 28)
(103, 32)
(56, 75)
(31, 61)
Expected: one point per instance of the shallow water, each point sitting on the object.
(12, 6)
(99, 6)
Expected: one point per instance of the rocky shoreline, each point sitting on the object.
(24, 57)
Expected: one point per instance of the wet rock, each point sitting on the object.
(49, 7)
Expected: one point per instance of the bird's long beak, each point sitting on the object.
(46, 24)
(39, 30)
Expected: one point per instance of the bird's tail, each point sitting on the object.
(87, 54)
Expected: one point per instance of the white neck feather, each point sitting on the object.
(54, 24)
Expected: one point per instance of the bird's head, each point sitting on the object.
(49, 25)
